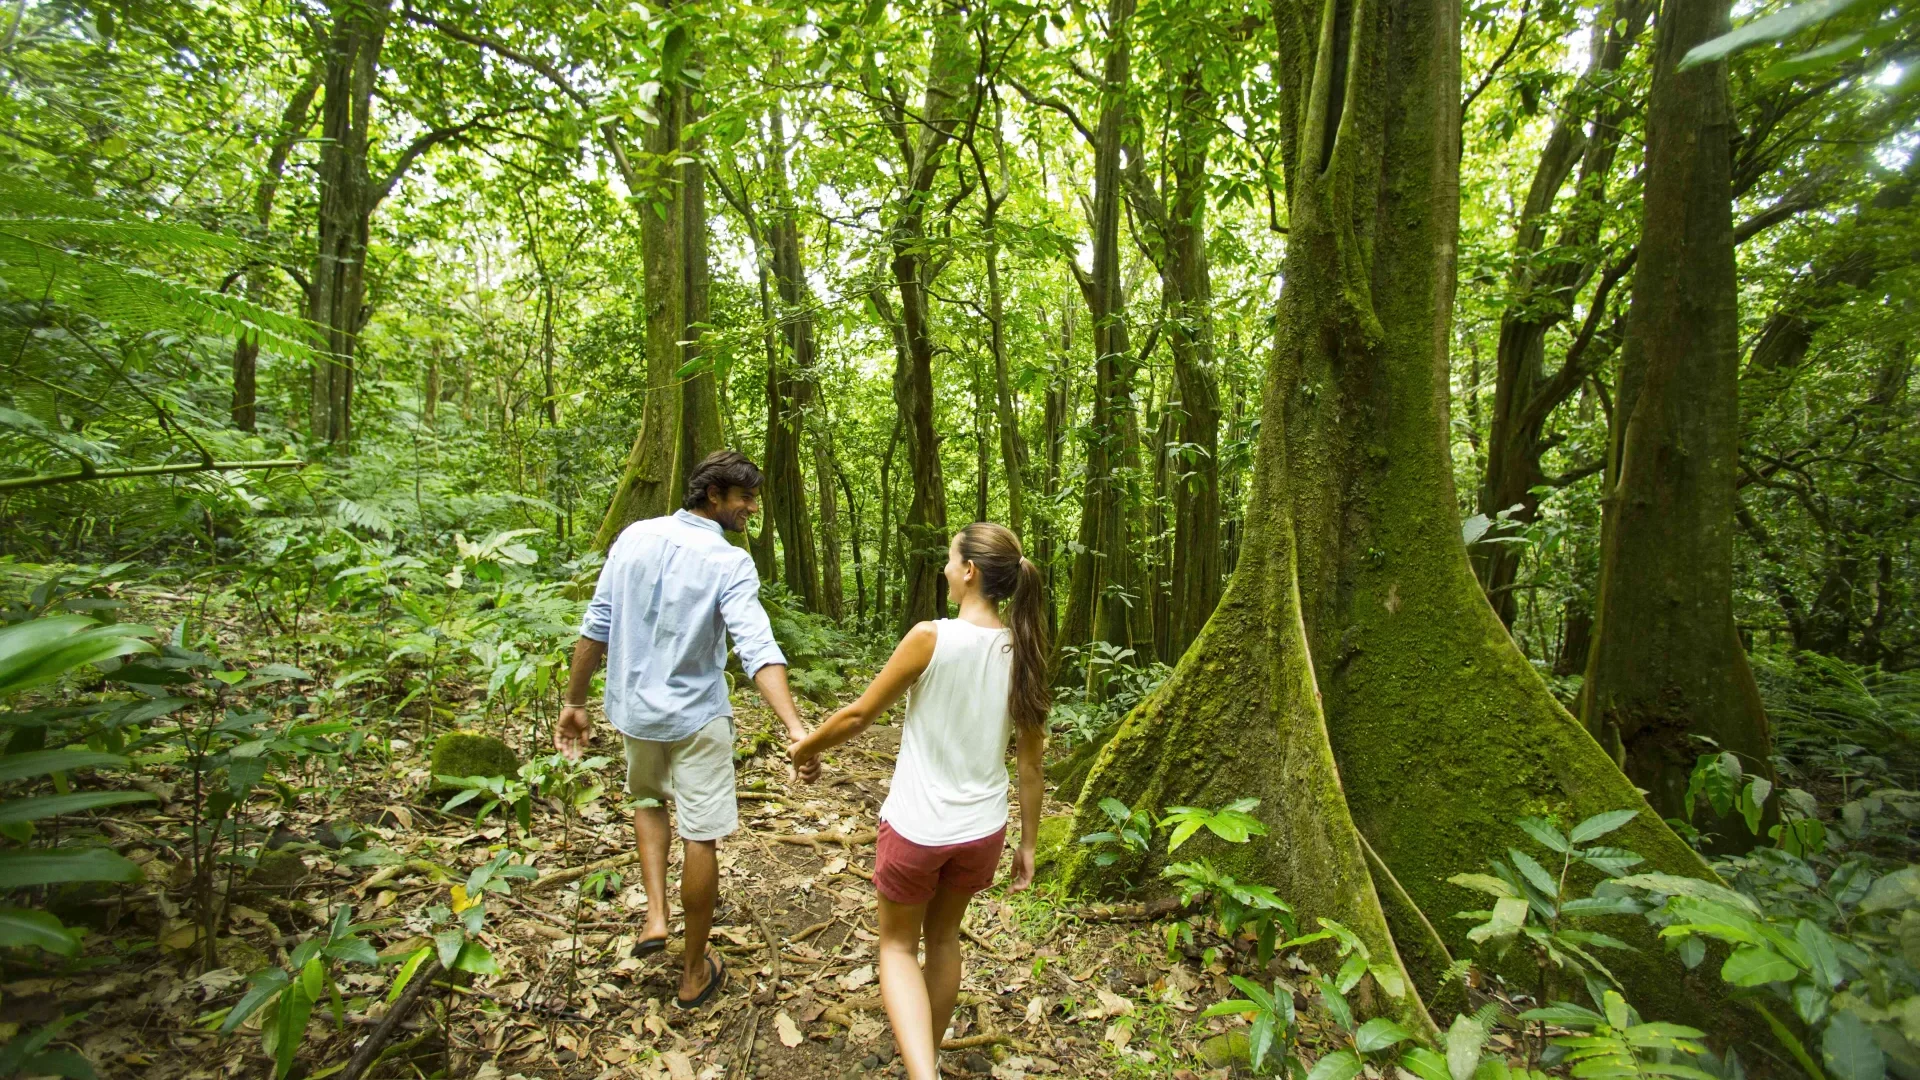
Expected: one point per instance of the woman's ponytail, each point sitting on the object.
(1008, 576)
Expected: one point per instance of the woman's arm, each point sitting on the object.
(1031, 756)
(910, 658)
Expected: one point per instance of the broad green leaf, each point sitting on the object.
(1350, 972)
(448, 943)
(267, 983)
(1390, 980)
(1676, 885)
(1542, 830)
(20, 928)
(1849, 1051)
(405, 974)
(1340, 1065)
(1464, 1041)
(1485, 883)
(1424, 1064)
(47, 806)
(1753, 966)
(1181, 833)
(22, 868)
(1535, 874)
(41, 650)
(353, 950)
(1509, 915)
(476, 958)
(1600, 825)
(47, 762)
(1378, 1034)
(1900, 889)
(1775, 27)
(1260, 1039)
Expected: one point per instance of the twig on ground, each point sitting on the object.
(810, 931)
(814, 840)
(1147, 912)
(370, 1049)
(561, 877)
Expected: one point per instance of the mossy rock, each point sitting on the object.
(278, 869)
(1225, 1051)
(240, 955)
(469, 753)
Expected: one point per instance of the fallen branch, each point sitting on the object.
(370, 1049)
(814, 840)
(971, 1041)
(561, 877)
(984, 944)
(810, 931)
(387, 874)
(20, 483)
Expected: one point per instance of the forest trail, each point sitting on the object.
(1046, 991)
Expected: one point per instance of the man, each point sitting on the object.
(671, 591)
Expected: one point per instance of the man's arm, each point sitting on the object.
(759, 653)
(574, 731)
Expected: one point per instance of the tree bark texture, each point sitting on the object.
(337, 300)
(1667, 663)
(246, 346)
(791, 384)
(1542, 286)
(1353, 677)
(1107, 593)
(680, 423)
(923, 142)
(1176, 226)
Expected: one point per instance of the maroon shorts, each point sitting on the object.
(909, 873)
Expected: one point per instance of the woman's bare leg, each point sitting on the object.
(903, 988)
(944, 914)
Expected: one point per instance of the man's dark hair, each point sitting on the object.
(722, 469)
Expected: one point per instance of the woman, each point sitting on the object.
(975, 680)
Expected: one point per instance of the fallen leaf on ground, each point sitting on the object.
(789, 1031)
(857, 978)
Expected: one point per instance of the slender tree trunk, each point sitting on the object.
(246, 346)
(762, 544)
(1107, 598)
(924, 533)
(1013, 449)
(883, 572)
(680, 423)
(1353, 678)
(792, 386)
(1667, 663)
(1541, 292)
(338, 298)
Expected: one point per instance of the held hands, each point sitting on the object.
(574, 731)
(1022, 868)
(806, 765)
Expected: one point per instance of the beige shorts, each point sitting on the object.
(694, 773)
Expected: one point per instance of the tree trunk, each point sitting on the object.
(791, 390)
(1541, 292)
(246, 346)
(337, 301)
(1013, 449)
(923, 535)
(832, 590)
(1667, 663)
(680, 423)
(1353, 678)
(1107, 595)
(1176, 224)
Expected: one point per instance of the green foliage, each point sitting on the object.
(1534, 908)
(1131, 833)
(1618, 1046)
(289, 994)
(26, 1054)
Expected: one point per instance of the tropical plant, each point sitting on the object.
(289, 994)
(1533, 906)
(1618, 1045)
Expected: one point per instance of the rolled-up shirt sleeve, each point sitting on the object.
(747, 621)
(598, 622)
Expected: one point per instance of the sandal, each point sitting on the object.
(647, 947)
(719, 979)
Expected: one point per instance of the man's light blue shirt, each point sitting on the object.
(671, 591)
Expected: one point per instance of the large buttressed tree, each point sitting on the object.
(1667, 663)
(1354, 678)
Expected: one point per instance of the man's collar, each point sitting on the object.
(692, 518)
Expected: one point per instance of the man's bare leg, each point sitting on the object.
(651, 834)
(699, 889)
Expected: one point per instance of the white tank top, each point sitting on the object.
(950, 781)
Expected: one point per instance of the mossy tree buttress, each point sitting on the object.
(1354, 677)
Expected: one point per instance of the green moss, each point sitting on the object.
(1055, 839)
(278, 869)
(469, 753)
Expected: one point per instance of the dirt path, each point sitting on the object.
(1045, 993)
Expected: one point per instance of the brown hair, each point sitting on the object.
(1007, 575)
(723, 469)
